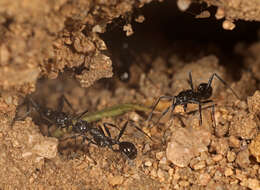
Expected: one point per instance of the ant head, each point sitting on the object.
(80, 126)
(128, 149)
(63, 120)
(204, 90)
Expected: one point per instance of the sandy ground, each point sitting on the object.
(182, 154)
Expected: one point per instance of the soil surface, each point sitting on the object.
(49, 49)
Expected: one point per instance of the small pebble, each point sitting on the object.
(46, 148)
(140, 19)
(217, 157)
(204, 179)
(200, 165)
(254, 103)
(146, 148)
(163, 160)
(184, 183)
(243, 158)
(170, 171)
(253, 184)
(239, 175)
(254, 148)
(186, 144)
(228, 172)
(220, 13)
(161, 175)
(153, 173)
(244, 126)
(234, 142)
(228, 25)
(128, 29)
(148, 163)
(115, 180)
(159, 155)
(203, 14)
(97, 28)
(220, 145)
(231, 156)
(183, 5)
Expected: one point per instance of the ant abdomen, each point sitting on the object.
(128, 149)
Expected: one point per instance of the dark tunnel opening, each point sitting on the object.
(167, 29)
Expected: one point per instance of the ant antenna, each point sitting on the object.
(223, 82)
(139, 129)
(190, 81)
(77, 117)
(122, 131)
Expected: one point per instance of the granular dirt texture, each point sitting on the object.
(49, 49)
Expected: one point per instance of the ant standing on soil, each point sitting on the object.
(53, 117)
(198, 96)
(98, 137)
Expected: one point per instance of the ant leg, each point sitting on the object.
(71, 137)
(199, 104)
(28, 111)
(212, 111)
(101, 130)
(213, 116)
(121, 132)
(139, 129)
(223, 82)
(110, 124)
(185, 107)
(200, 114)
(181, 121)
(106, 128)
(34, 104)
(172, 110)
(163, 114)
(77, 117)
(63, 99)
(158, 100)
(190, 81)
(61, 104)
(68, 103)
(90, 141)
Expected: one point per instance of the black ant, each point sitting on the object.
(52, 117)
(55, 117)
(98, 137)
(198, 96)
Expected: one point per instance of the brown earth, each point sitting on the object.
(50, 48)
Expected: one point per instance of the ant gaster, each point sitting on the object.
(198, 96)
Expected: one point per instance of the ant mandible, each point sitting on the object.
(198, 96)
